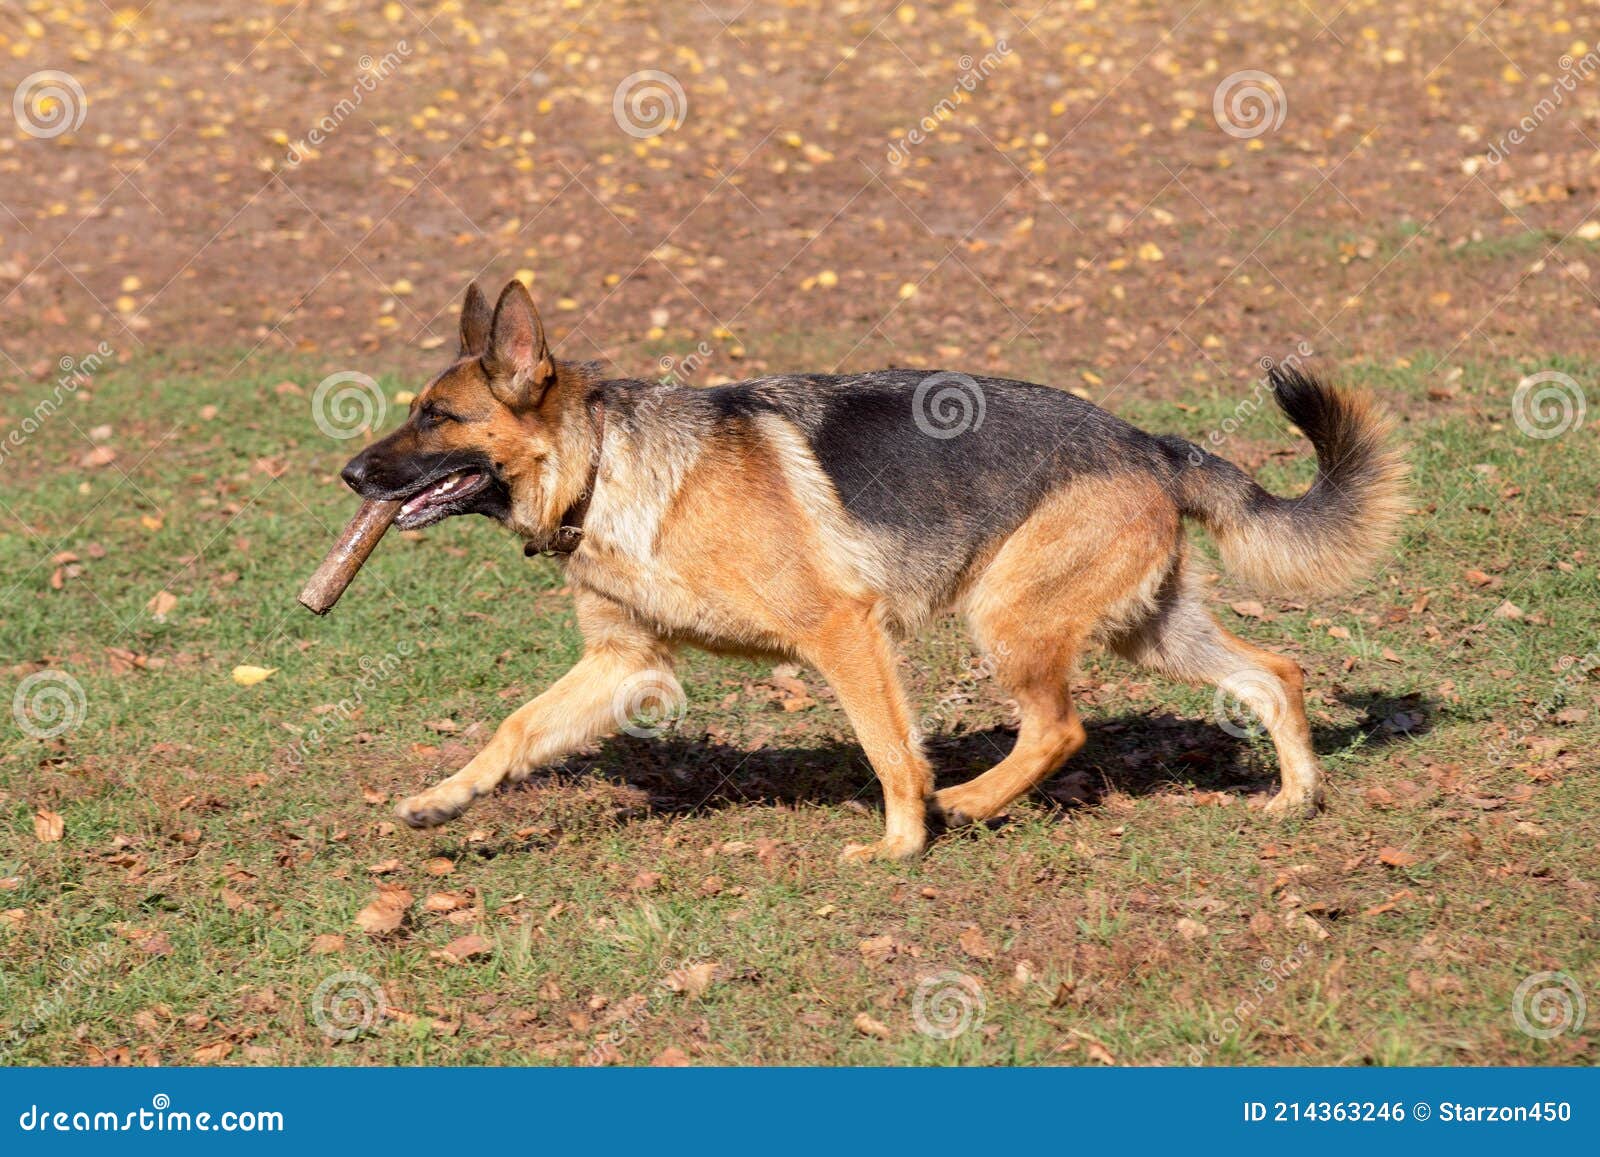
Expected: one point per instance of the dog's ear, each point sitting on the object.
(476, 318)
(516, 359)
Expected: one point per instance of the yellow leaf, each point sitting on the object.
(869, 1026)
(1150, 251)
(48, 826)
(248, 676)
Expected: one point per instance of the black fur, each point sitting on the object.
(943, 498)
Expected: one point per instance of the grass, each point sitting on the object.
(214, 832)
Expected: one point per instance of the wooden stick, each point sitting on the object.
(323, 589)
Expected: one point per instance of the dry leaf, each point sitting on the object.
(1098, 1053)
(1191, 929)
(161, 604)
(1397, 858)
(386, 912)
(48, 826)
(975, 944)
(671, 1057)
(464, 948)
(327, 942)
(693, 980)
(213, 1053)
(868, 1027)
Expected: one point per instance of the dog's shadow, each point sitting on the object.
(1134, 753)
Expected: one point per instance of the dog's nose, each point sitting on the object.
(355, 472)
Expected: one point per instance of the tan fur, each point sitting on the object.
(1280, 557)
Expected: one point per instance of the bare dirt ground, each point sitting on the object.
(1081, 211)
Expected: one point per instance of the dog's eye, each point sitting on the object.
(432, 416)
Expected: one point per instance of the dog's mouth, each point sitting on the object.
(452, 494)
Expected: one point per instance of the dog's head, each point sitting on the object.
(482, 437)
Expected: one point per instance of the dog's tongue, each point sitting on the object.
(323, 588)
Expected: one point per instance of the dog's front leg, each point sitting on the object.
(599, 695)
(854, 654)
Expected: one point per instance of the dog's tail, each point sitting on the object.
(1333, 533)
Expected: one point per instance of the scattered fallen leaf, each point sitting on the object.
(465, 948)
(975, 944)
(213, 1053)
(161, 604)
(386, 912)
(48, 826)
(867, 1026)
(693, 980)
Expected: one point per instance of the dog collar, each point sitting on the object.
(569, 535)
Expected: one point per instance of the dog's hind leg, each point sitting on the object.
(1051, 732)
(1082, 556)
(623, 672)
(1183, 640)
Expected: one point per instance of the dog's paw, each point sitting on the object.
(1297, 806)
(950, 809)
(427, 810)
(883, 850)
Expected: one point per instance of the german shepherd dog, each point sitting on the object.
(821, 518)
